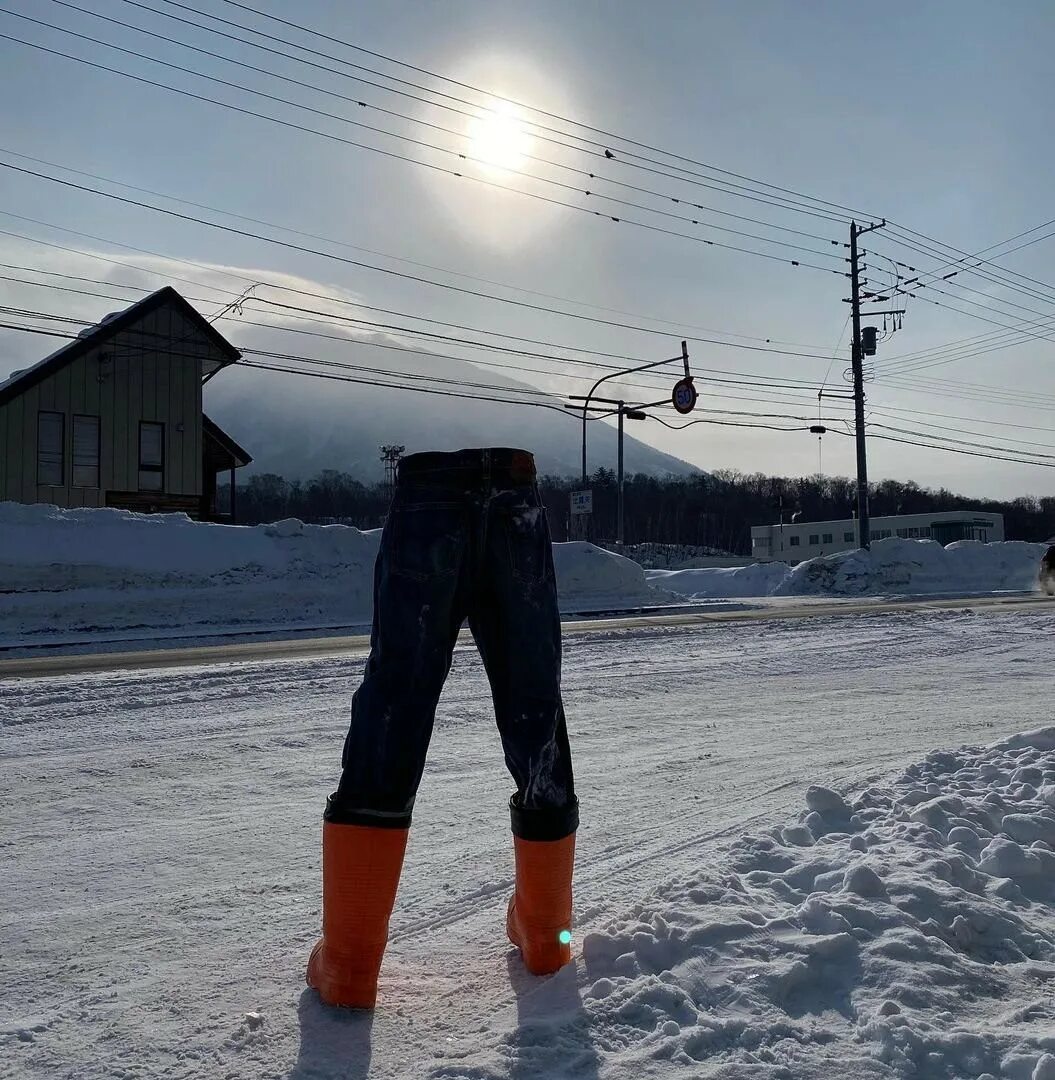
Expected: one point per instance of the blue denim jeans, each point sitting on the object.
(466, 539)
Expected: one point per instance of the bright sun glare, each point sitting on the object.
(498, 138)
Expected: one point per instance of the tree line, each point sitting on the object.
(713, 510)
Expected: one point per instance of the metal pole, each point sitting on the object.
(581, 526)
(585, 406)
(619, 500)
(864, 538)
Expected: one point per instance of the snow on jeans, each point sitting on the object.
(466, 538)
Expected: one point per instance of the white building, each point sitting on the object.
(806, 540)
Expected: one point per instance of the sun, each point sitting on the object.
(498, 137)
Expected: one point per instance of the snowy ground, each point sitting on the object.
(160, 845)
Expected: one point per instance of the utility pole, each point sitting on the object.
(863, 524)
(862, 344)
(864, 537)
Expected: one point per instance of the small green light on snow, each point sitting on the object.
(564, 937)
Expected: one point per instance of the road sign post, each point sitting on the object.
(581, 511)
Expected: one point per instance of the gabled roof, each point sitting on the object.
(215, 432)
(92, 337)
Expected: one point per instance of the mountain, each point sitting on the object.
(297, 426)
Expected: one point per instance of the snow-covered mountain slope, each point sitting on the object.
(296, 426)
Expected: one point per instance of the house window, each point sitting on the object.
(827, 538)
(793, 541)
(151, 456)
(814, 540)
(848, 537)
(86, 451)
(51, 436)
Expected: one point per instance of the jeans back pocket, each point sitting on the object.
(528, 540)
(425, 541)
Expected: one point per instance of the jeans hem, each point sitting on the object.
(543, 823)
(337, 814)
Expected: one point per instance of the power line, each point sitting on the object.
(951, 449)
(330, 136)
(724, 423)
(352, 262)
(355, 379)
(765, 385)
(1031, 460)
(976, 397)
(476, 105)
(418, 121)
(677, 328)
(994, 393)
(331, 317)
(964, 442)
(554, 116)
(327, 315)
(884, 409)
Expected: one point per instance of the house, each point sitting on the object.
(798, 541)
(114, 418)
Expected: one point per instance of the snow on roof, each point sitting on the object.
(89, 332)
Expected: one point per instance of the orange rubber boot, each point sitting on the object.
(360, 874)
(539, 918)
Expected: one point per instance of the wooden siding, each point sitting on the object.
(149, 371)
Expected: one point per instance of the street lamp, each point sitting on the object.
(684, 358)
(622, 411)
(630, 412)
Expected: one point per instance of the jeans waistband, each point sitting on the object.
(495, 465)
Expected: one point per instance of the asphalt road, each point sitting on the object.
(358, 644)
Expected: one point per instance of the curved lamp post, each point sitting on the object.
(684, 357)
(622, 410)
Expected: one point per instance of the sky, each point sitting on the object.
(928, 114)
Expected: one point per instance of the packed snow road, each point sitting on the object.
(161, 840)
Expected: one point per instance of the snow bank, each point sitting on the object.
(759, 579)
(892, 567)
(90, 573)
(908, 932)
(919, 566)
(589, 576)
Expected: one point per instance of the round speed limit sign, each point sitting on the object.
(684, 396)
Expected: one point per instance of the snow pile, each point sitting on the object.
(759, 579)
(67, 575)
(591, 577)
(908, 933)
(76, 574)
(919, 566)
(892, 567)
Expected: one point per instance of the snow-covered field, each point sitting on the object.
(70, 577)
(767, 886)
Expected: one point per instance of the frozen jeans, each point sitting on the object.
(466, 538)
